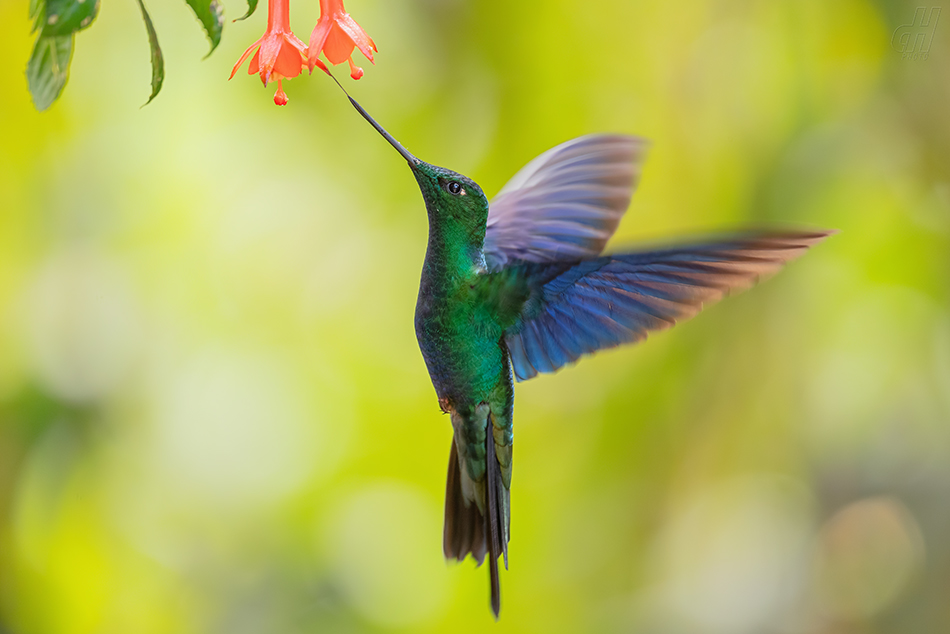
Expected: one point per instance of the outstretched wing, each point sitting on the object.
(566, 203)
(577, 308)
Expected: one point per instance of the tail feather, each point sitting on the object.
(464, 529)
(493, 477)
(467, 531)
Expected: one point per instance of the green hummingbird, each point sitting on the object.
(518, 286)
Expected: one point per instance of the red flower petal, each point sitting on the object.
(289, 61)
(339, 46)
(357, 35)
(317, 39)
(244, 57)
(270, 48)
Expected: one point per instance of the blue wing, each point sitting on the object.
(566, 203)
(577, 308)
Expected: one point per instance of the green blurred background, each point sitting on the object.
(213, 414)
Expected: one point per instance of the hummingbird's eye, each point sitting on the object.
(454, 188)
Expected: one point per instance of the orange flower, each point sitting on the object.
(336, 35)
(280, 54)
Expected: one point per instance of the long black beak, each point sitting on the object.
(413, 161)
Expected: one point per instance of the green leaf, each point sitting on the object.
(64, 17)
(251, 7)
(48, 69)
(158, 62)
(209, 14)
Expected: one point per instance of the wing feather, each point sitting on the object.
(580, 307)
(566, 203)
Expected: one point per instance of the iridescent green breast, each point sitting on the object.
(459, 335)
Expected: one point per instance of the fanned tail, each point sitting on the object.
(466, 530)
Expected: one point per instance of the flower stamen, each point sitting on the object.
(280, 97)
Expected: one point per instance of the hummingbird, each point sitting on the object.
(519, 286)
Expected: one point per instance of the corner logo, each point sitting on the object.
(913, 40)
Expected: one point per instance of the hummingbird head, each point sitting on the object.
(450, 197)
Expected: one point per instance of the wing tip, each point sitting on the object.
(793, 244)
(762, 254)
